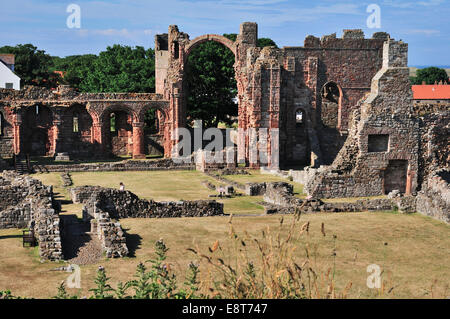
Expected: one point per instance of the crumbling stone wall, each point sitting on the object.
(387, 110)
(280, 199)
(26, 202)
(104, 205)
(109, 232)
(124, 204)
(434, 198)
(128, 165)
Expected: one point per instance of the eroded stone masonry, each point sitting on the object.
(339, 111)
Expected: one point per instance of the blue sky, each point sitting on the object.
(422, 24)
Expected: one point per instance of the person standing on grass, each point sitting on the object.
(122, 186)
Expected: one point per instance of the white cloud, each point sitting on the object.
(409, 4)
(427, 32)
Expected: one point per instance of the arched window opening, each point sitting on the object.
(299, 117)
(331, 104)
(113, 122)
(75, 124)
(151, 121)
(176, 48)
(331, 92)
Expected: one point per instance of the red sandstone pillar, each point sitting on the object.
(17, 122)
(56, 131)
(138, 140)
(96, 136)
(409, 179)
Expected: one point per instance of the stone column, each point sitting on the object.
(96, 136)
(56, 133)
(17, 122)
(409, 180)
(138, 140)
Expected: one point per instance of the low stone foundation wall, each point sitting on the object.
(102, 205)
(26, 202)
(221, 178)
(109, 233)
(434, 198)
(280, 199)
(130, 165)
(123, 204)
(255, 189)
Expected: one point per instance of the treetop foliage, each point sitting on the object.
(430, 75)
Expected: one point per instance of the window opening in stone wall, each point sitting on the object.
(9, 85)
(299, 117)
(176, 49)
(331, 92)
(75, 124)
(378, 143)
(113, 122)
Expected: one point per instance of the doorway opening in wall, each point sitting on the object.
(119, 133)
(37, 130)
(301, 148)
(395, 176)
(211, 88)
(329, 133)
(77, 128)
(153, 133)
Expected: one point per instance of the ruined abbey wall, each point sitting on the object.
(342, 106)
(25, 203)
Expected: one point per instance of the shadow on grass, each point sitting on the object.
(10, 236)
(133, 242)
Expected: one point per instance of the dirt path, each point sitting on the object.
(80, 247)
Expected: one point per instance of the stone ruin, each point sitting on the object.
(339, 112)
(27, 203)
(104, 206)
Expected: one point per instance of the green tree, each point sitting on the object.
(118, 69)
(33, 66)
(430, 75)
(211, 84)
(122, 69)
(76, 69)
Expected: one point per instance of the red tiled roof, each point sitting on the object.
(431, 92)
(7, 58)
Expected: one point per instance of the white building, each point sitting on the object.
(8, 79)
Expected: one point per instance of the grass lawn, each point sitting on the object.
(157, 185)
(416, 254)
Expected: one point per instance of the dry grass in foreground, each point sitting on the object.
(412, 251)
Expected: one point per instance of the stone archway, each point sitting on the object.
(186, 51)
(156, 142)
(117, 122)
(76, 132)
(37, 131)
(209, 37)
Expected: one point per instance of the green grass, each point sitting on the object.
(156, 185)
(415, 256)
